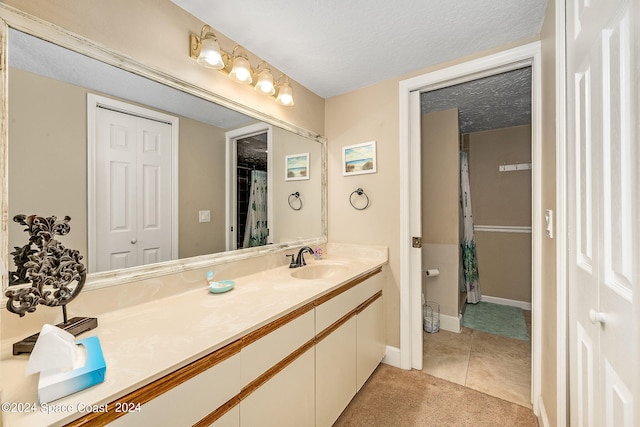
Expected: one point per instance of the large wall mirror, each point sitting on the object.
(59, 100)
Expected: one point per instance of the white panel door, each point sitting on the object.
(115, 174)
(603, 211)
(133, 175)
(154, 186)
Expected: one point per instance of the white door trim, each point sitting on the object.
(410, 331)
(93, 101)
(560, 232)
(231, 181)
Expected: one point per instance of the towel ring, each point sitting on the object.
(295, 195)
(359, 192)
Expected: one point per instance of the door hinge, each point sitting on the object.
(416, 242)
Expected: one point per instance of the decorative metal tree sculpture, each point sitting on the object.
(55, 273)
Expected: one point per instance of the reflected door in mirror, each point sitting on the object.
(133, 206)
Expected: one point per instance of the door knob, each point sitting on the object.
(134, 241)
(597, 316)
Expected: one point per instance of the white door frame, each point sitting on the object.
(410, 301)
(231, 138)
(95, 101)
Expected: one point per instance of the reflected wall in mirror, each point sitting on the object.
(48, 152)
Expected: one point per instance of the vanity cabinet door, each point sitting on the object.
(371, 343)
(286, 399)
(335, 372)
(192, 400)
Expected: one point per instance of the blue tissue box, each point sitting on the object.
(53, 385)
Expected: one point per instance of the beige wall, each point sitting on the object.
(367, 114)
(548, 300)
(307, 222)
(504, 265)
(440, 165)
(502, 199)
(48, 165)
(156, 32)
(201, 187)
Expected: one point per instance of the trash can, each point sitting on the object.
(431, 314)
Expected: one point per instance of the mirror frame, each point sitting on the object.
(13, 18)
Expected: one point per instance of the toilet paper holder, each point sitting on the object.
(432, 272)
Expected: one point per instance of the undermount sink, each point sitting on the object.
(318, 271)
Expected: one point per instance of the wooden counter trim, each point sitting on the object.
(334, 293)
(275, 369)
(270, 327)
(218, 413)
(368, 302)
(159, 386)
(329, 330)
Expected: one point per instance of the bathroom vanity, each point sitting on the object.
(276, 350)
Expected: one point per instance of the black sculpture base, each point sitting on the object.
(75, 326)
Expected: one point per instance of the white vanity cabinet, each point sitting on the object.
(278, 372)
(349, 344)
(370, 340)
(300, 369)
(214, 382)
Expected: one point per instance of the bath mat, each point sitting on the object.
(496, 319)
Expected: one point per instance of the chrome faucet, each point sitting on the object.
(299, 260)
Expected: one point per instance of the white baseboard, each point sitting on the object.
(543, 418)
(392, 356)
(450, 323)
(503, 301)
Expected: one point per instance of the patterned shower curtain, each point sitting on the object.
(256, 231)
(469, 258)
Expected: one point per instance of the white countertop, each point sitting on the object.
(145, 342)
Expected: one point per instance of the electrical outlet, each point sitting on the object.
(204, 216)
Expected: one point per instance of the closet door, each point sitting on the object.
(603, 212)
(132, 191)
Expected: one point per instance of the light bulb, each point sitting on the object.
(265, 82)
(285, 95)
(210, 56)
(241, 71)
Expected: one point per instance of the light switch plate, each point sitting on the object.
(205, 216)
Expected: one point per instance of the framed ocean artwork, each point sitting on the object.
(359, 158)
(296, 167)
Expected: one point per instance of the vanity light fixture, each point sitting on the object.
(264, 85)
(285, 94)
(207, 52)
(209, 55)
(241, 70)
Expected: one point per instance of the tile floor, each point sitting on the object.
(496, 365)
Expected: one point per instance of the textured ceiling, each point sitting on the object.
(494, 102)
(335, 46)
(252, 152)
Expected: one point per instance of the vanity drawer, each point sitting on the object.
(272, 343)
(192, 400)
(336, 305)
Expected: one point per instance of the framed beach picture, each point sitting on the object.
(359, 158)
(296, 167)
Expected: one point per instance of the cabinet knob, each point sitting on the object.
(134, 241)
(597, 316)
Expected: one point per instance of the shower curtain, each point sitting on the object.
(256, 231)
(469, 258)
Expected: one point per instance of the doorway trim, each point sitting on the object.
(410, 354)
(231, 139)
